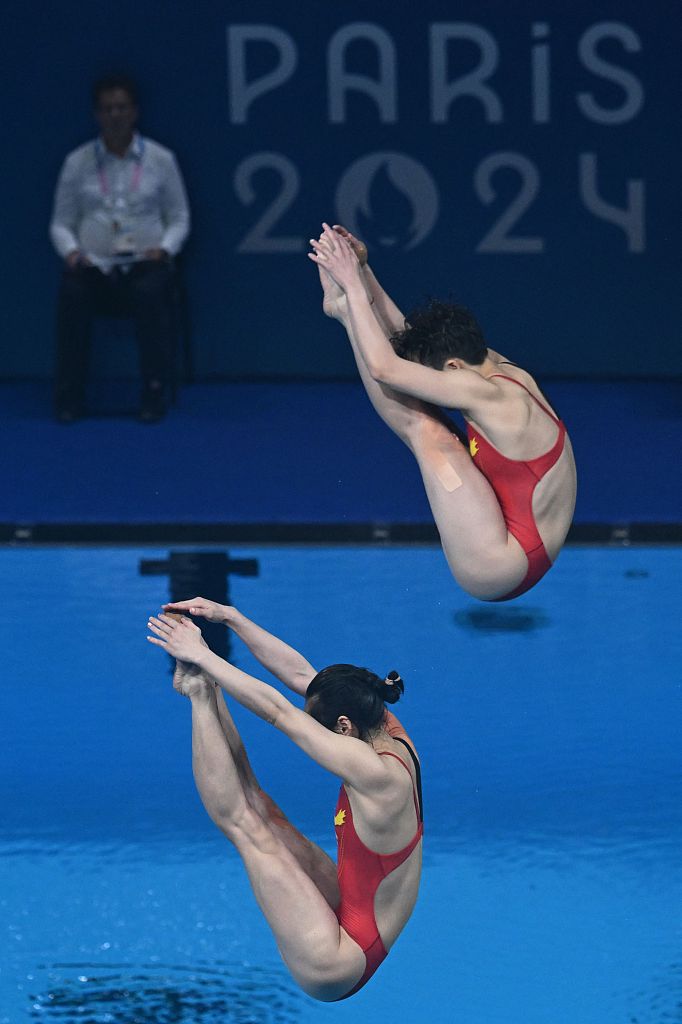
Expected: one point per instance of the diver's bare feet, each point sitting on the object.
(190, 681)
(334, 301)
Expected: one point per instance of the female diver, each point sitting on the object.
(503, 500)
(333, 924)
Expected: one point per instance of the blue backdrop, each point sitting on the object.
(522, 158)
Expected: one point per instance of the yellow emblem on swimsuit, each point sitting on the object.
(340, 818)
(473, 447)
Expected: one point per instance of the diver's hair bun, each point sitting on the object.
(355, 692)
(392, 688)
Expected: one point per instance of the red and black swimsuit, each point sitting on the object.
(360, 873)
(514, 482)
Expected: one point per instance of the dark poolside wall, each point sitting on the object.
(522, 157)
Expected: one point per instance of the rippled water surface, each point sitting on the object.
(549, 735)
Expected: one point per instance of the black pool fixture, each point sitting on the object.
(202, 574)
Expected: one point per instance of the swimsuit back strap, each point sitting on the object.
(415, 790)
(418, 773)
(529, 392)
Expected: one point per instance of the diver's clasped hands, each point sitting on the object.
(202, 608)
(358, 247)
(335, 251)
(178, 637)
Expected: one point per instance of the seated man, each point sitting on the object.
(120, 215)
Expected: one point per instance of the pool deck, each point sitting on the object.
(305, 461)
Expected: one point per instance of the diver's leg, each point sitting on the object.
(314, 861)
(319, 954)
(483, 557)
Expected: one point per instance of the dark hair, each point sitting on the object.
(355, 692)
(109, 82)
(440, 331)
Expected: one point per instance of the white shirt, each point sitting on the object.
(113, 208)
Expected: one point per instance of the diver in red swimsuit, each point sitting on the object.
(361, 871)
(333, 925)
(503, 503)
(514, 482)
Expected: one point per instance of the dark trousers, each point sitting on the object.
(144, 293)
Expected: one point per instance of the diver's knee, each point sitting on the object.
(429, 435)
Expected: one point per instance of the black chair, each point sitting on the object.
(181, 362)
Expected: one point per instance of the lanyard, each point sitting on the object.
(102, 174)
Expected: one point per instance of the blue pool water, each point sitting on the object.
(549, 732)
